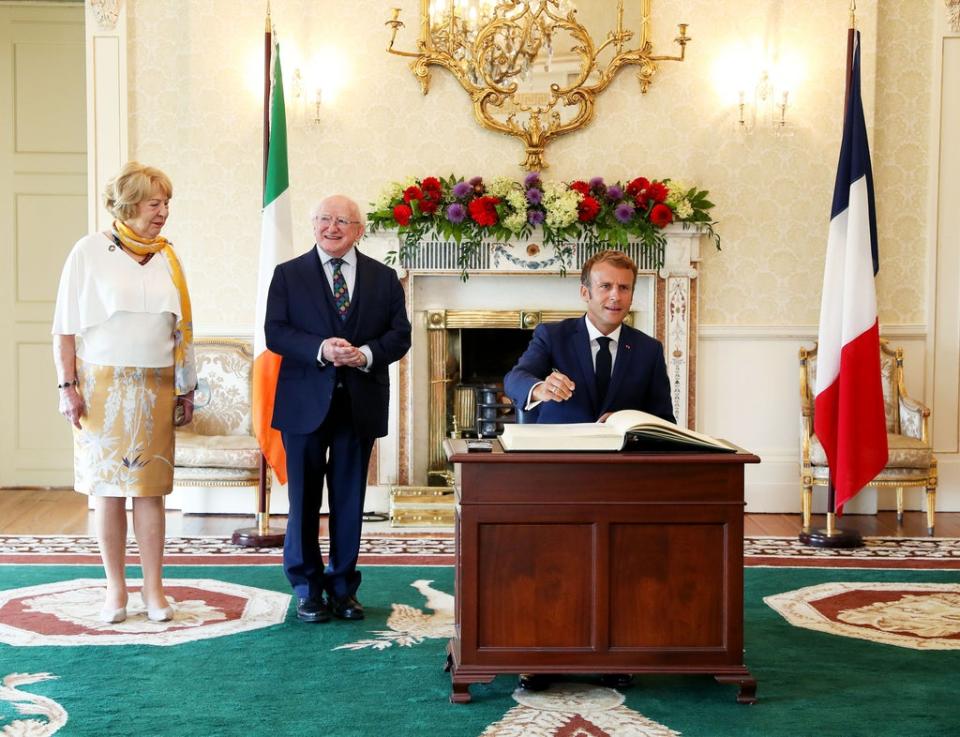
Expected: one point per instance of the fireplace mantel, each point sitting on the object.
(518, 283)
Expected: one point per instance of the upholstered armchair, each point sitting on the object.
(911, 461)
(217, 456)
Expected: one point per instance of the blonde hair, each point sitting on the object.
(132, 185)
(617, 259)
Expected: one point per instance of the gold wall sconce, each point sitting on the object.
(531, 67)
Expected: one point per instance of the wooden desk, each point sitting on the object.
(598, 563)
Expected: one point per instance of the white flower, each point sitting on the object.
(518, 201)
(515, 222)
(390, 193)
(500, 187)
(678, 191)
(684, 209)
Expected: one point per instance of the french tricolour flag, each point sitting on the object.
(849, 417)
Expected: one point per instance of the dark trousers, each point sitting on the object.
(333, 452)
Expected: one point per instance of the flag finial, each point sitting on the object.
(268, 16)
(853, 13)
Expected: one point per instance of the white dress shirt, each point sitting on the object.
(349, 271)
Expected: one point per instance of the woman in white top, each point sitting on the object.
(123, 347)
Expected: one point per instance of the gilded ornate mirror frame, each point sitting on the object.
(487, 55)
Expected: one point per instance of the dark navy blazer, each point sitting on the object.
(639, 379)
(300, 315)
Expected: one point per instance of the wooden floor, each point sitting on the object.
(51, 512)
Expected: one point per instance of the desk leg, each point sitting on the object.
(747, 683)
(460, 682)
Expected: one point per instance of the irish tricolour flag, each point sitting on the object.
(849, 417)
(276, 246)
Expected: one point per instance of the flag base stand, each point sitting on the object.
(261, 536)
(823, 538)
(831, 536)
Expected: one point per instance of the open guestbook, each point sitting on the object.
(628, 429)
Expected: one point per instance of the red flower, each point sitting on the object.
(581, 187)
(402, 213)
(412, 193)
(431, 185)
(657, 191)
(587, 209)
(636, 186)
(661, 215)
(483, 210)
(429, 204)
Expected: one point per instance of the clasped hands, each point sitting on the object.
(340, 352)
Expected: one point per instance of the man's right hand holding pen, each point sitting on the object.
(557, 387)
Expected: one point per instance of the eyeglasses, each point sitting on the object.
(341, 222)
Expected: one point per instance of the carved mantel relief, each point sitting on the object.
(106, 12)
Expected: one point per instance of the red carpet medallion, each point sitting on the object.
(922, 616)
(66, 613)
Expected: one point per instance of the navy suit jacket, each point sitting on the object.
(300, 315)
(639, 379)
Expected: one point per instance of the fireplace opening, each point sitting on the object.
(487, 354)
(481, 358)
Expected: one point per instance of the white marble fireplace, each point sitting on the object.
(516, 286)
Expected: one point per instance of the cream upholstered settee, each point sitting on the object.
(216, 466)
(911, 460)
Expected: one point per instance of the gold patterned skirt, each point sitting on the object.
(125, 446)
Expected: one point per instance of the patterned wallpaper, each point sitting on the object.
(196, 112)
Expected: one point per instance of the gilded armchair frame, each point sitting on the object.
(909, 418)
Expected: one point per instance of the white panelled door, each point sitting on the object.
(43, 211)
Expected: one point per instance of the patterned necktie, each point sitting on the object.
(340, 295)
(604, 366)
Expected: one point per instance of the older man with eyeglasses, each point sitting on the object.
(338, 318)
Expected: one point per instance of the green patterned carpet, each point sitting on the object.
(266, 675)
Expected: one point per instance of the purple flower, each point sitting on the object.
(597, 183)
(456, 213)
(534, 196)
(623, 212)
(461, 190)
(614, 192)
(535, 217)
(532, 179)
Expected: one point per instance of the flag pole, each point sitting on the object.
(831, 536)
(262, 536)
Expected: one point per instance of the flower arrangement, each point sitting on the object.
(590, 213)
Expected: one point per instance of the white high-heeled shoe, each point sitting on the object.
(113, 616)
(160, 615)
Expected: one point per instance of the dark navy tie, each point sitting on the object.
(604, 366)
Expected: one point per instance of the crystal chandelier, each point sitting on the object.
(492, 40)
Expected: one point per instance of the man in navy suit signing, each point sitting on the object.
(338, 319)
(582, 369)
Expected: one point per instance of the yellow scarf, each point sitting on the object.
(183, 338)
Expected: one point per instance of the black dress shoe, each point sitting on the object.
(616, 680)
(312, 609)
(533, 681)
(346, 607)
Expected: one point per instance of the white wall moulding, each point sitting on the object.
(107, 123)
